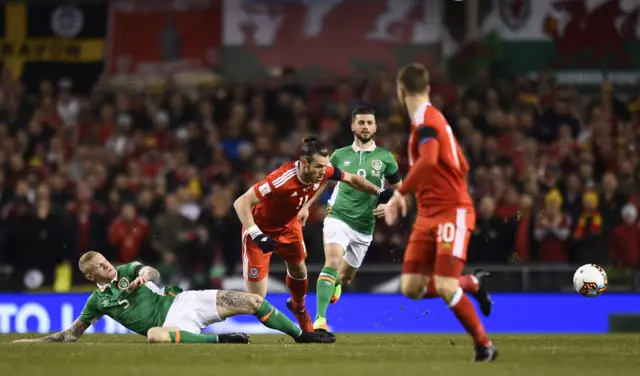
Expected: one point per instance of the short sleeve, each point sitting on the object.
(130, 270)
(264, 189)
(391, 165)
(333, 173)
(91, 310)
(334, 160)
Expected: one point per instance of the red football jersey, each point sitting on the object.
(282, 194)
(446, 186)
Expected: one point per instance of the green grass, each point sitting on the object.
(351, 355)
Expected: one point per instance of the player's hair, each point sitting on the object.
(84, 261)
(414, 78)
(362, 110)
(311, 145)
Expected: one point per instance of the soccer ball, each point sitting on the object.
(590, 280)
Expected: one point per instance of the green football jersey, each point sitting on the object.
(349, 205)
(137, 310)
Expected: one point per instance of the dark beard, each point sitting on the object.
(364, 140)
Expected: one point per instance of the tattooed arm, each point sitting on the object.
(70, 335)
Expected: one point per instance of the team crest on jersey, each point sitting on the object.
(123, 284)
(253, 272)
(376, 165)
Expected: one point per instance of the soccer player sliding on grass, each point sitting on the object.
(129, 295)
(437, 249)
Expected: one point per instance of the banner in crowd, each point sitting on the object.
(339, 36)
(39, 41)
(582, 41)
(359, 313)
(156, 37)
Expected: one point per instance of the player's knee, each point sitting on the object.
(297, 271)
(413, 287)
(333, 255)
(446, 287)
(157, 335)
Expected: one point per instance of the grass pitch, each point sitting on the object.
(351, 355)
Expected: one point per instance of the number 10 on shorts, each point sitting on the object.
(446, 232)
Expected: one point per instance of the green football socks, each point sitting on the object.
(324, 290)
(187, 337)
(270, 317)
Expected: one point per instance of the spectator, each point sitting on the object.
(492, 240)
(169, 229)
(523, 223)
(222, 224)
(589, 245)
(625, 242)
(611, 203)
(127, 233)
(552, 229)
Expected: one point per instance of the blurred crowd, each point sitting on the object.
(152, 174)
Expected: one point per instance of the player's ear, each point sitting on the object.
(89, 277)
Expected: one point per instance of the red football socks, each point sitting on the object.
(466, 314)
(298, 288)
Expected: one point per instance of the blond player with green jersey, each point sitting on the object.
(129, 295)
(351, 215)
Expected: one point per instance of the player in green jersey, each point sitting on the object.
(129, 295)
(351, 215)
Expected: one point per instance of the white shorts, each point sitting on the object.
(192, 311)
(355, 243)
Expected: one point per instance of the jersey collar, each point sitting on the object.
(103, 287)
(418, 116)
(357, 149)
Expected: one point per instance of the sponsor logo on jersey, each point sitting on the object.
(316, 186)
(376, 165)
(331, 234)
(123, 284)
(294, 194)
(347, 163)
(264, 189)
(105, 303)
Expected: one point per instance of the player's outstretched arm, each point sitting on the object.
(70, 335)
(364, 185)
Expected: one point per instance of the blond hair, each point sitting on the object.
(84, 261)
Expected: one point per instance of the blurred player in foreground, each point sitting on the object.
(269, 214)
(351, 214)
(437, 249)
(128, 294)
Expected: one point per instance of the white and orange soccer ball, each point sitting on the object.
(590, 280)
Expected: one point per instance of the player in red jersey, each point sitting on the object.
(437, 249)
(269, 215)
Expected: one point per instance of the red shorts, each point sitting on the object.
(290, 246)
(437, 241)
